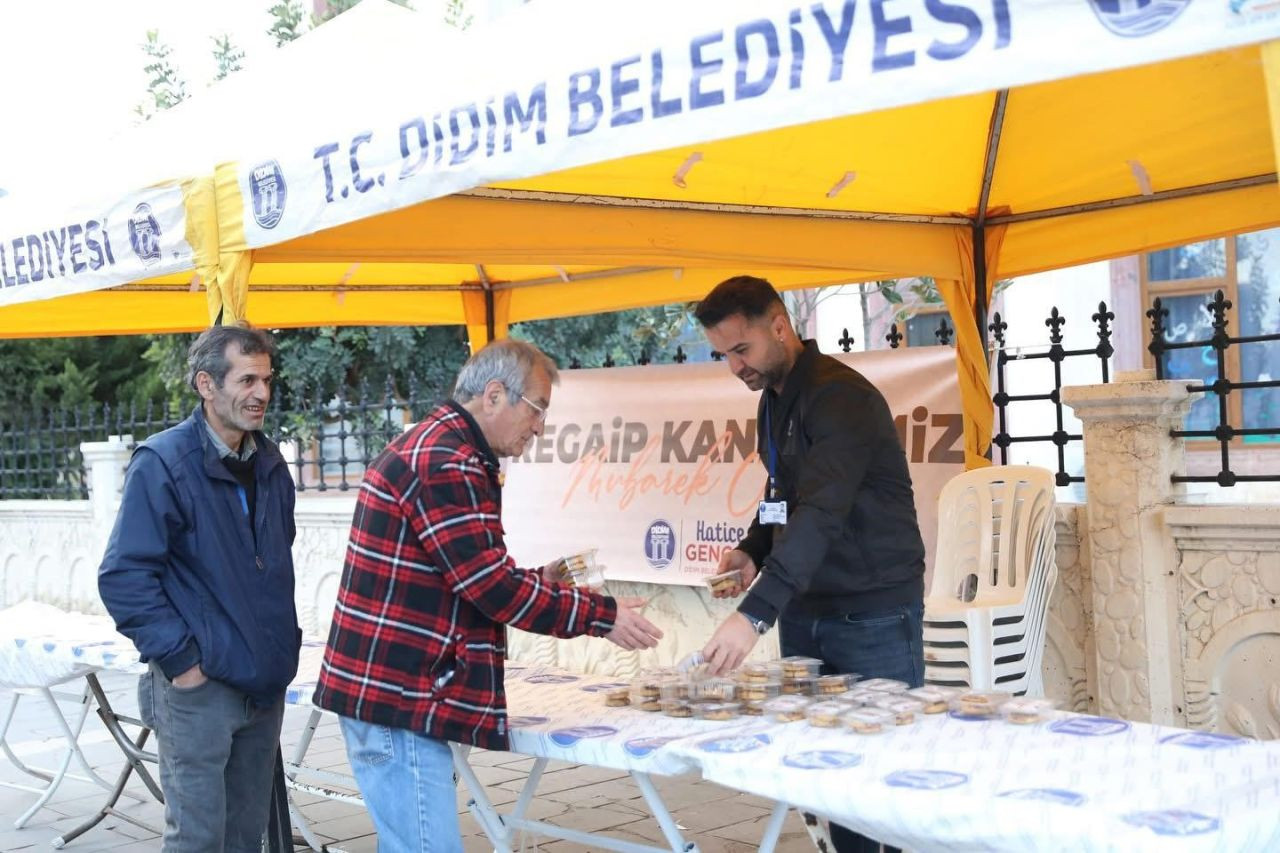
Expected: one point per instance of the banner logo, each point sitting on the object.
(659, 544)
(144, 234)
(266, 184)
(1137, 18)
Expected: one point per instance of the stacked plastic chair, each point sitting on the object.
(986, 612)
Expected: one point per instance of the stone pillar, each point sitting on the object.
(106, 462)
(1129, 459)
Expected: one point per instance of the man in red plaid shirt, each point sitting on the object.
(416, 648)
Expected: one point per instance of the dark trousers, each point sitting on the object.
(877, 644)
(217, 757)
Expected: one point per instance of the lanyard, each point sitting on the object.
(773, 448)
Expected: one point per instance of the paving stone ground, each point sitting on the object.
(587, 798)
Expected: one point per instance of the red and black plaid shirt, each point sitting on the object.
(417, 640)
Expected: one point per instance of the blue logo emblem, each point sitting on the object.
(1202, 740)
(144, 234)
(1173, 822)
(660, 544)
(925, 780)
(822, 759)
(1089, 726)
(568, 737)
(642, 746)
(550, 678)
(522, 722)
(736, 744)
(600, 688)
(1135, 18)
(267, 186)
(1045, 795)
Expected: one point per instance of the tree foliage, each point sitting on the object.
(227, 55)
(165, 88)
(286, 18)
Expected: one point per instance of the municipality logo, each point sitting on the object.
(660, 544)
(1137, 18)
(267, 186)
(144, 234)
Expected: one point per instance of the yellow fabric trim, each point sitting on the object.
(234, 261)
(1270, 52)
(202, 235)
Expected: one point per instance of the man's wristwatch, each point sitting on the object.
(760, 626)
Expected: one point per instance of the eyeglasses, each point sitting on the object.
(541, 410)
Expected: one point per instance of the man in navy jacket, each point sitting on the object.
(199, 574)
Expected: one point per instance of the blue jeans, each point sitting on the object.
(876, 644)
(406, 780)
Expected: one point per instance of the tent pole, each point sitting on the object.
(980, 283)
(980, 218)
(488, 311)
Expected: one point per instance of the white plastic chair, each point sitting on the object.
(992, 579)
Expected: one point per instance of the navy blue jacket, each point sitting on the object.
(186, 578)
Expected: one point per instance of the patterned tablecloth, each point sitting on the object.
(1071, 783)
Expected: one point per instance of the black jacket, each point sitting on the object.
(851, 543)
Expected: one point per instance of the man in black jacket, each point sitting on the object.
(835, 551)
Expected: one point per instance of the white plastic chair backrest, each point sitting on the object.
(995, 530)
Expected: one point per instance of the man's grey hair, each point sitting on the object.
(208, 353)
(508, 361)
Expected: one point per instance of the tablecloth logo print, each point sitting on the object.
(643, 746)
(551, 678)
(266, 183)
(1089, 726)
(1202, 740)
(524, 722)
(822, 759)
(600, 688)
(1135, 18)
(925, 780)
(1174, 822)
(660, 544)
(1045, 795)
(568, 737)
(144, 234)
(735, 743)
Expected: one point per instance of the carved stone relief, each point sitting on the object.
(1068, 644)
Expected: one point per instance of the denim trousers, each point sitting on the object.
(217, 754)
(876, 644)
(406, 780)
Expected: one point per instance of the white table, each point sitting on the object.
(1076, 783)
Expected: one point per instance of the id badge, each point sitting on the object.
(773, 512)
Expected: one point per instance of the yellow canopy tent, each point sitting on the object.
(967, 189)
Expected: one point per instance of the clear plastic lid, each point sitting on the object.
(582, 570)
(799, 666)
(753, 707)
(759, 672)
(1024, 711)
(676, 707)
(903, 709)
(832, 685)
(725, 580)
(861, 696)
(716, 710)
(867, 721)
(978, 704)
(885, 685)
(786, 709)
(805, 686)
(676, 687)
(761, 690)
(714, 689)
(825, 714)
(935, 699)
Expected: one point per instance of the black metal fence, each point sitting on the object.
(329, 438)
(1161, 347)
(1057, 354)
